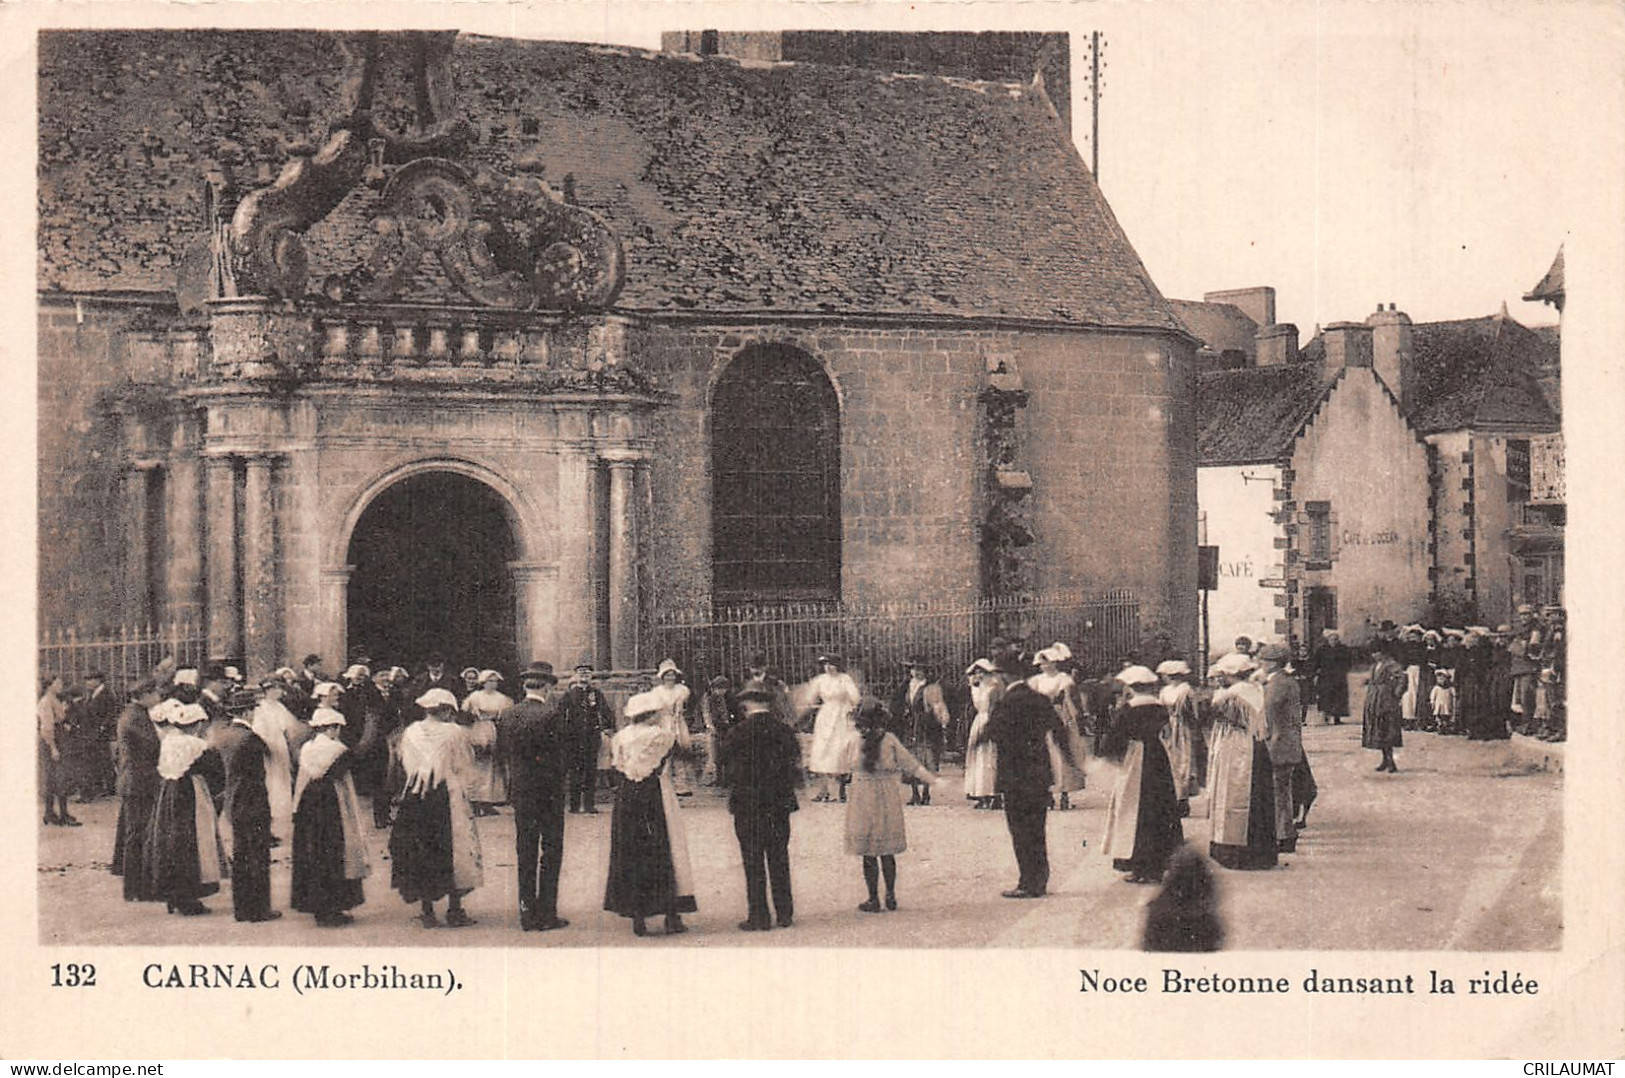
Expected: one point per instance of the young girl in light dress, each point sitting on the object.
(878, 762)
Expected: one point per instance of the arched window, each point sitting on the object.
(775, 478)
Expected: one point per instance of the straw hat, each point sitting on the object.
(1137, 675)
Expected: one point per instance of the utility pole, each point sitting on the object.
(1095, 45)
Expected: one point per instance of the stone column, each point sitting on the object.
(224, 614)
(262, 605)
(333, 613)
(183, 569)
(138, 515)
(536, 595)
(623, 564)
(576, 622)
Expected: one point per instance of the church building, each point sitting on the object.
(424, 341)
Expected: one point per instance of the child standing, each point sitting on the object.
(877, 762)
(1443, 700)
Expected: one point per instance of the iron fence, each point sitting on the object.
(125, 655)
(875, 639)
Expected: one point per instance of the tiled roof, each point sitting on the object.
(734, 186)
(1480, 373)
(1220, 326)
(1251, 416)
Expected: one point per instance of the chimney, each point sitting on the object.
(1391, 353)
(1277, 345)
(1348, 344)
(1256, 303)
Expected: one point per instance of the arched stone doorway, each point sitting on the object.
(432, 558)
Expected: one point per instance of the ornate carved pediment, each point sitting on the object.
(502, 241)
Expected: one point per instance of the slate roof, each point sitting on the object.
(1220, 326)
(1481, 373)
(1252, 416)
(734, 186)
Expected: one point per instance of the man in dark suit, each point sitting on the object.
(98, 725)
(434, 676)
(538, 749)
(587, 715)
(1020, 724)
(763, 761)
(248, 808)
(1283, 719)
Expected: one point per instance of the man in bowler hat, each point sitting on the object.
(248, 808)
(538, 749)
(763, 758)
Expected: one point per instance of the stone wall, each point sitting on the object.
(1108, 437)
(1111, 444)
(1455, 577)
(81, 547)
(1493, 515)
(909, 460)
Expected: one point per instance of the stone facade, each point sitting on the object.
(1333, 533)
(228, 389)
(1108, 419)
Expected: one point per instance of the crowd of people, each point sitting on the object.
(1480, 683)
(213, 773)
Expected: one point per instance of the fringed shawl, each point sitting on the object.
(176, 755)
(638, 750)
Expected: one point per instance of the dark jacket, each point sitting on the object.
(1283, 719)
(763, 759)
(448, 680)
(100, 717)
(537, 743)
(362, 706)
(247, 802)
(586, 714)
(1018, 724)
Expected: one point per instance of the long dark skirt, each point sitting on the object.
(174, 873)
(420, 849)
(251, 864)
(1424, 696)
(1261, 841)
(1157, 832)
(319, 883)
(641, 880)
(130, 838)
(1494, 707)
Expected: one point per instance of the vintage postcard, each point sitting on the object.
(964, 530)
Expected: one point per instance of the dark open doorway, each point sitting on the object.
(431, 573)
(1322, 613)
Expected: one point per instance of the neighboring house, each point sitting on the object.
(1479, 402)
(1481, 394)
(409, 341)
(1314, 489)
